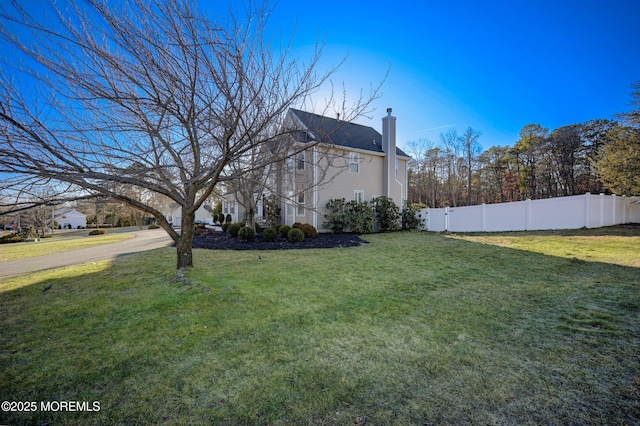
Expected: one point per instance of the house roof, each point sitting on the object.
(333, 131)
(68, 212)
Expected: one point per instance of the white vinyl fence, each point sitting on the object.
(578, 211)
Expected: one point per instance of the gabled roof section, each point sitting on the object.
(336, 132)
(67, 211)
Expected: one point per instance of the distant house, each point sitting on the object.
(204, 214)
(345, 160)
(70, 219)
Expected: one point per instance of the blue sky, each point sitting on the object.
(495, 66)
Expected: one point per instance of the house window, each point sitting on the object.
(300, 207)
(289, 165)
(354, 163)
(289, 204)
(300, 160)
(232, 208)
(225, 207)
(396, 167)
(358, 196)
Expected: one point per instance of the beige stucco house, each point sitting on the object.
(344, 160)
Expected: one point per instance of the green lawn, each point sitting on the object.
(410, 329)
(58, 243)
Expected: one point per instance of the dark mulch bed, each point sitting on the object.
(225, 242)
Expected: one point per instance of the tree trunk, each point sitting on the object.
(251, 216)
(184, 245)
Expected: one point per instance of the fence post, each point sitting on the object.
(446, 218)
(528, 214)
(483, 217)
(602, 209)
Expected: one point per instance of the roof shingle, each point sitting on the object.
(350, 135)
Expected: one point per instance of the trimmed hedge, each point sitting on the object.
(284, 231)
(295, 235)
(98, 232)
(246, 233)
(233, 229)
(270, 235)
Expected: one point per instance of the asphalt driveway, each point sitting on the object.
(143, 241)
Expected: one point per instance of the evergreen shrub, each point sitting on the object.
(349, 216)
(336, 217)
(295, 235)
(270, 235)
(387, 213)
(284, 230)
(361, 217)
(233, 229)
(246, 233)
(409, 218)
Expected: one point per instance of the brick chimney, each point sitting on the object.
(389, 147)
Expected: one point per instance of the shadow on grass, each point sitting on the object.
(411, 328)
(624, 230)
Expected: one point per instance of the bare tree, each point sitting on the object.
(104, 95)
(251, 182)
(40, 217)
(450, 142)
(471, 149)
(418, 173)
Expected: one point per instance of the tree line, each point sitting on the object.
(601, 155)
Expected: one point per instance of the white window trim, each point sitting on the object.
(300, 205)
(354, 160)
(356, 193)
(301, 159)
(289, 165)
